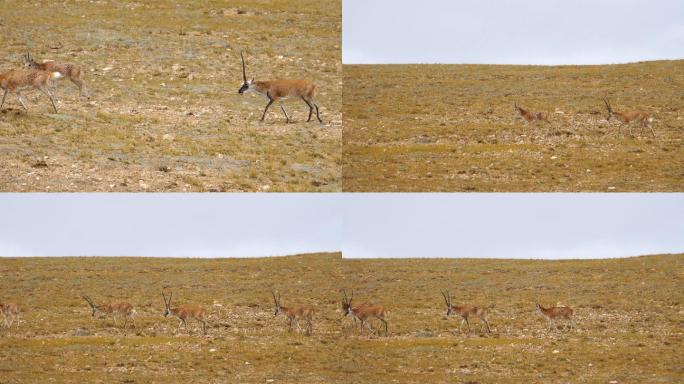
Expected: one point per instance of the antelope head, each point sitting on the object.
(245, 83)
(277, 302)
(346, 303)
(447, 299)
(92, 305)
(167, 304)
(610, 109)
(29, 62)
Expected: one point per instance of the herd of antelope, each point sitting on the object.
(642, 118)
(363, 312)
(41, 77)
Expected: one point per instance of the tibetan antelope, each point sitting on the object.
(627, 117)
(10, 313)
(16, 80)
(275, 90)
(554, 313)
(294, 314)
(185, 312)
(364, 312)
(530, 116)
(115, 308)
(70, 71)
(466, 311)
(346, 306)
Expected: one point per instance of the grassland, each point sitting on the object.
(58, 339)
(165, 114)
(629, 321)
(454, 128)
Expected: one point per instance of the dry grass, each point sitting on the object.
(628, 312)
(629, 321)
(165, 114)
(453, 128)
(58, 339)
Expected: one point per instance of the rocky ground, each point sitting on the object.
(454, 128)
(628, 315)
(164, 112)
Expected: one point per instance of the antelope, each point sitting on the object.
(466, 311)
(554, 313)
(70, 71)
(185, 312)
(294, 314)
(275, 90)
(346, 306)
(9, 312)
(363, 312)
(115, 308)
(16, 80)
(626, 117)
(531, 116)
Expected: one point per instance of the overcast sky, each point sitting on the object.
(511, 31)
(194, 225)
(532, 225)
(360, 225)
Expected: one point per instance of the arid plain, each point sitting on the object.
(454, 128)
(164, 113)
(628, 315)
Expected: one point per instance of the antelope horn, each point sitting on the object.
(607, 103)
(244, 72)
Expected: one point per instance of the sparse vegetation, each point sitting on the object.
(454, 128)
(164, 77)
(628, 315)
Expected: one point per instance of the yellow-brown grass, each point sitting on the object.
(454, 128)
(164, 113)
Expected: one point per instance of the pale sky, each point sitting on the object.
(360, 225)
(542, 32)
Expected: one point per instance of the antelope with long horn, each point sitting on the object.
(10, 313)
(17, 80)
(294, 314)
(185, 312)
(552, 314)
(276, 90)
(115, 308)
(466, 312)
(68, 70)
(627, 117)
(363, 312)
(346, 306)
(531, 116)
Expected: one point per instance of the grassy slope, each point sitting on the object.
(629, 319)
(250, 345)
(165, 113)
(453, 128)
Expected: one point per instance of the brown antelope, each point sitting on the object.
(554, 313)
(364, 312)
(70, 71)
(115, 308)
(185, 312)
(275, 90)
(16, 80)
(346, 306)
(626, 117)
(530, 116)
(294, 314)
(10, 313)
(466, 311)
